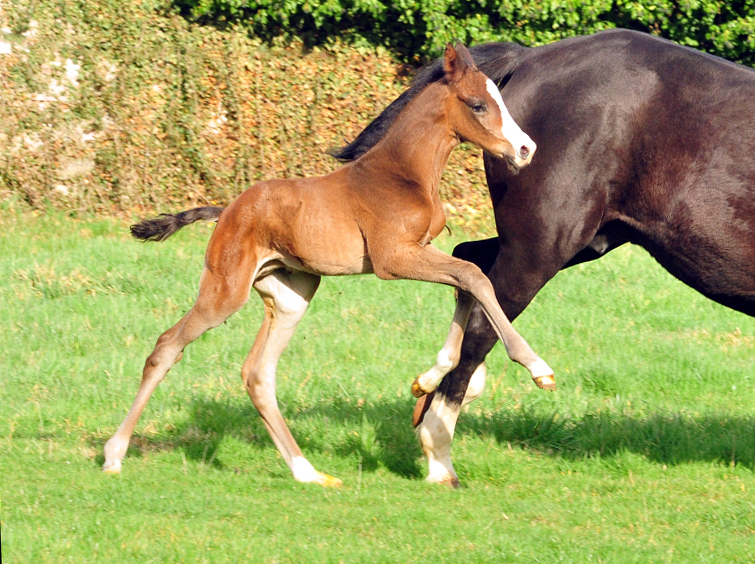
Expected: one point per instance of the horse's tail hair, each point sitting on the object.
(497, 60)
(166, 224)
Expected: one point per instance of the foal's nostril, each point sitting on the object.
(524, 151)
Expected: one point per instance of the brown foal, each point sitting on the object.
(377, 214)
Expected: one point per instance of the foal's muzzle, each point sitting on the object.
(525, 153)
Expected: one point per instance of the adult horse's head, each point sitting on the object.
(478, 113)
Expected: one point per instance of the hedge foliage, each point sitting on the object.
(421, 27)
(126, 106)
(114, 106)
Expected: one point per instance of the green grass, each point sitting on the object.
(645, 454)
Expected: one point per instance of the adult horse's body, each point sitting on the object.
(640, 140)
(376, 215)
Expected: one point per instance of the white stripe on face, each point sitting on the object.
(509, 127)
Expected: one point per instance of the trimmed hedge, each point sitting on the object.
(125, 106)
(413, 28)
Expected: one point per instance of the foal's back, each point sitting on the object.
(309, 224)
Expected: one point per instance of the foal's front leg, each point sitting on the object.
(412, 261)
(286, 296)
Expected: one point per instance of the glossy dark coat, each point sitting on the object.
(640, 140)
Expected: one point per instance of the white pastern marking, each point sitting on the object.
(303, 471)
(540, 368)
(443, 365)
(509, 128)
(436, 433)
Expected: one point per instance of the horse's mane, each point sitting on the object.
(496, 60)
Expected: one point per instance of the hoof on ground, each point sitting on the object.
(451, 482)
(547, 382)
(113, 467)
(328, 481)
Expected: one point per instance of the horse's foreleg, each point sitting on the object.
(431, 265)
(215, 304)
(286, 297)
(448, 357)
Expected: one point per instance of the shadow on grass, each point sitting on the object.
(381, 434)
(373, 434)
(666, 438)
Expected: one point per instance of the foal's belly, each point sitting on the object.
(327, 252)
(324, 265)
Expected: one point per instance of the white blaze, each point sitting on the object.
(510, 129)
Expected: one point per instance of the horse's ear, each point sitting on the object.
(456, 60)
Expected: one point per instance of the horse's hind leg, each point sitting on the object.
(216, 302)
(286, 296)
(449, 355)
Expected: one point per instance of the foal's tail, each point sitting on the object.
(166, 224)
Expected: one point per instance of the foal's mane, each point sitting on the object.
(496, 60)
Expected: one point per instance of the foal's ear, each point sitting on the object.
(456, 60)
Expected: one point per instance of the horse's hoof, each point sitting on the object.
(112, 467)
(419, 410)
(547, 382)
(417, 391)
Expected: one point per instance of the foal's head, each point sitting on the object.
(477, 111)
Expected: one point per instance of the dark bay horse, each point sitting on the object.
(640, 141)
(375, 215)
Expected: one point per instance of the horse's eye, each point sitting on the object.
(478, 108)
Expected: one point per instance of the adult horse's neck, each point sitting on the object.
(418, 144)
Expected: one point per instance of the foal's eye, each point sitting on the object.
(478, 108)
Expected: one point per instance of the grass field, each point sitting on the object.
(645, 454)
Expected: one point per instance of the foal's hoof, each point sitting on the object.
(328, 481)
(112, 467)
(449, 481)
(547, 382)
(417, 391)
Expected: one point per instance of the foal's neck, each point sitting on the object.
(420, 141)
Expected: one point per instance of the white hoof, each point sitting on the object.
(112, 466)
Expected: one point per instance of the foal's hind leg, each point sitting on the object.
(216, 302)
(427, 263)
(286, 296)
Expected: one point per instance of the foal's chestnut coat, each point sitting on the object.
(375, 215)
